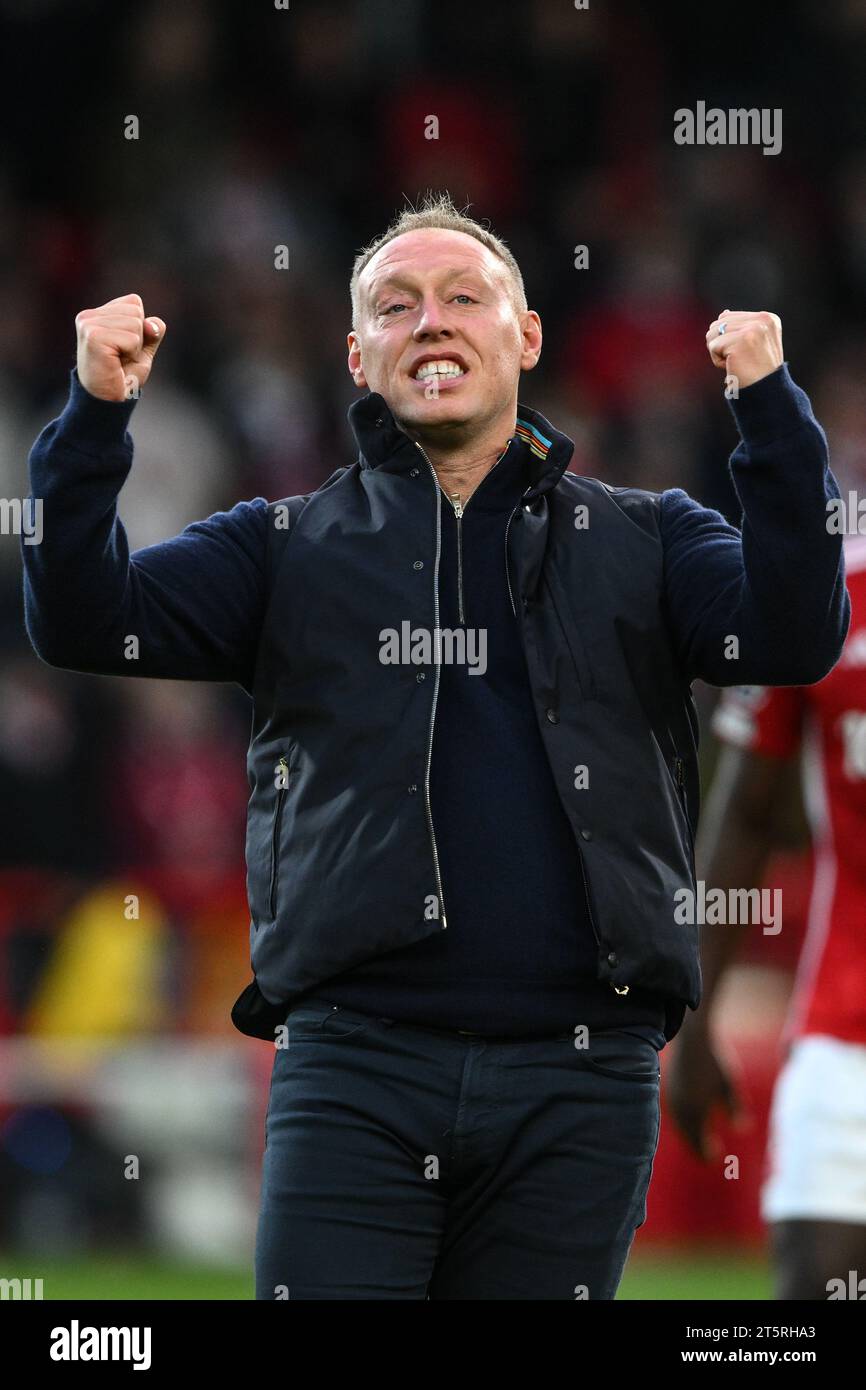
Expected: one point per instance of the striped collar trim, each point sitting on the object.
(381, 441)
(538, 443)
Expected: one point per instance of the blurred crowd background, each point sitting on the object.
(261, 126)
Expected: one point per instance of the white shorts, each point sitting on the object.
(816, 1149)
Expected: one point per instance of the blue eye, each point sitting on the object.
(393, 306)
(465, 296)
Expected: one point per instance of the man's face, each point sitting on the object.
(442, 295)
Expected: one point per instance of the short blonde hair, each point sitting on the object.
(437, 210)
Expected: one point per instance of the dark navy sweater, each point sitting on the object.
(518, 956)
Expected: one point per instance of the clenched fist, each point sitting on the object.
(749, 347)
(116, 347)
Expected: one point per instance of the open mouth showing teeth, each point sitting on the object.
(444, 369)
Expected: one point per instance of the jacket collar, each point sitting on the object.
(545, 451)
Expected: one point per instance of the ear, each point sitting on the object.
(355, 369)
(530, 328)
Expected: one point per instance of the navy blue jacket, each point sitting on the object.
(553, 857)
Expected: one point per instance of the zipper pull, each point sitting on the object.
(454, 498)
(678, 764)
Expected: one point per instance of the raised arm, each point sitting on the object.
(189, 608)
(767, 604)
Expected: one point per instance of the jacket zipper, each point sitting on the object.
(454, 499)
(435, 689)
(617, 989)
(586, 895)
(458, 511)
(275, 836)
(681, 790)
(514, 512)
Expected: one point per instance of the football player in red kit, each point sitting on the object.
(814, 1188)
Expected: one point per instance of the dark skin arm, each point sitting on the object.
(753, 808)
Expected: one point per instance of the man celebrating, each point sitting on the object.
(461, 881)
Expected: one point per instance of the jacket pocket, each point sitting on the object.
(276, 823)
(570, 628)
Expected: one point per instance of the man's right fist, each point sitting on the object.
(116, 347)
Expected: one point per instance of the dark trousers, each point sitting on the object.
(405, 1162)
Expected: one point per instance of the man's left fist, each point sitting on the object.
(750, 346)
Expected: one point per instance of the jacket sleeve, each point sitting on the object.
(189, 608)
(767, 604)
